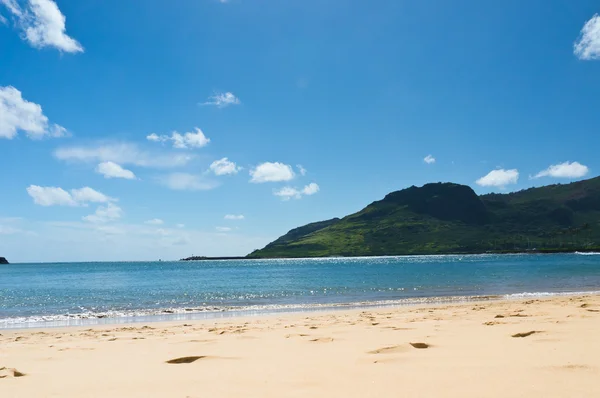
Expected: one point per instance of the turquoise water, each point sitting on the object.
(87, 293)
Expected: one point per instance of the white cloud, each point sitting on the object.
(50, 196)
(223, 229)
(311, 189)
(180, 225)
(55, 196)
(301, 170)
(18, 114)
(154, 221)
(43, 25)
(187, 182)
(121, 153)
(499, 178)
(223, 167)
(12, 6)
(287, 193)
(182, 141)
(587, 47)
(3, 20)
(564, 170)
(223, 100)
(429, 159)
(234, 217)
(113, 170)
(271, 172)
(87, 194)
(103, 214)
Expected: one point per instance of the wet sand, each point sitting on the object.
(518, 348)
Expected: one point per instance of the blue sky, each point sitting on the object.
(112, 114)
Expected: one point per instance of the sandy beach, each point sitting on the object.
(518, 348)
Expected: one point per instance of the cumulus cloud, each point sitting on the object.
(55, 196)
(287, 193)
(182, 141)
(43, 25)
(50, 196)
(234, 217)
(224, 167)
(154, 221)
(103, 214)
(187, 182)
(564, 170)
(429, 159)
(18, 114)
(499, 178)
(271, 172)
(121, 153)
(222, 100)
(587, 46)
(311, 189)
(113, 170)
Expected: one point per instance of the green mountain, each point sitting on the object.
(445, 218)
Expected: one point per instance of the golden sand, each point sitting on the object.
(521, 348)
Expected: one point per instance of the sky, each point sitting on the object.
(145, 130)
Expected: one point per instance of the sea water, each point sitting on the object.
(61, 294)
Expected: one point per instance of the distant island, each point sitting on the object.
(447, 218)
(3, 260)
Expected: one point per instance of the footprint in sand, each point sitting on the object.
(183, 360)
(287, 336)
(526, 334)
(389, 350)
(10, 372)
(322, 340)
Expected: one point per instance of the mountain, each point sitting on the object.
(3, 260)
(444, 218)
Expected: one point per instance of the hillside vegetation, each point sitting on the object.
(446, 218)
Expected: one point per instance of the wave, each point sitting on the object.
(211, 312)
(588, 253)
(546, 294)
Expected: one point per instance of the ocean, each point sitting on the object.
(65, 294)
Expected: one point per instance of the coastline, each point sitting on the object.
(231, 313)
(595, 250)
(535, 347)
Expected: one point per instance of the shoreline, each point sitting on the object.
(534, 347)
(232, 313)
